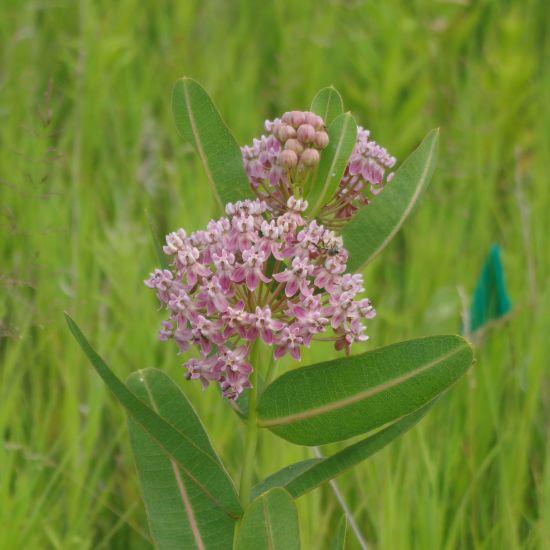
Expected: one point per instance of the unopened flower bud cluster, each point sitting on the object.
(276, 164)
(254, 274)
(302, 135)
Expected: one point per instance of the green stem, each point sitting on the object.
(251, 432)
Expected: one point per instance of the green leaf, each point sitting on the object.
(270, 523)
(339, 399)
(161, 256)
(339, 540)
(375, 225)
(284, 476)
(305, 476)
(179, 512)
(199, 122)
(328, 104)
(200, 466)
(342, 136)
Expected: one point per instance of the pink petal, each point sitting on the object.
(267, 336)
(291, 288)
(337, 320)
(282, 277)
(252, 280)
(295, 352)
(276, 325)
(238, 275)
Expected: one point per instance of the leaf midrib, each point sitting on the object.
(181, 487)
(198, 142)
(352, 399)
(267, 524)
(335, 158)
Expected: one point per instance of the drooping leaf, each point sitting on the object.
(179, 512)
(199, 122)
(342, 135)
(305, 476)
(339, 540)
(490, 301)
(269, 523)
(339, 399)
(201, 466)
(375, 225)
(284, 476)
(328, 104)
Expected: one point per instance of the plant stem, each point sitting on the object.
(251, 432)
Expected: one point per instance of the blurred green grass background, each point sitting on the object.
(87, 143)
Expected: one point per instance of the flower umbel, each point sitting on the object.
(280, 164)
(257, 274)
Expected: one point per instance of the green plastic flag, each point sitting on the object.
(490, 301)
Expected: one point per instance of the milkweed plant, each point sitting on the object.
(303, 210)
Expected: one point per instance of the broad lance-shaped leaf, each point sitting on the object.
(339, 399)
(284, 476)
(375, 225)
(306, 475)
(328, 104)
(179, 512)
(200, 466)
(199, 122)
(270, 523)
(342, 135)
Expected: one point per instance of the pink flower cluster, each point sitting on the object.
(365, 170)
(255, 275)
(271, 162)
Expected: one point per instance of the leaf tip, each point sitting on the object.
(435, 133)
(69, 320)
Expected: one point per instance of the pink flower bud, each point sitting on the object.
(315, 120)
(287, 117)
(288, 158)
(310, 157)
(285, 132)
(294, 145)
(321, 140)
(306, 133)
(298, 118)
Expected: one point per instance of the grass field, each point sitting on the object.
(87, 144)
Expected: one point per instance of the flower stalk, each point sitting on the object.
(251, 434)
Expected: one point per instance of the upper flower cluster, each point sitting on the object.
(279, 163)
(255, 274)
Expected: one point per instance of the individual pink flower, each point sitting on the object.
(289, 341)
(296, 277)
(264, 325)
(201, 369)
(252, 270)
(224, 262)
